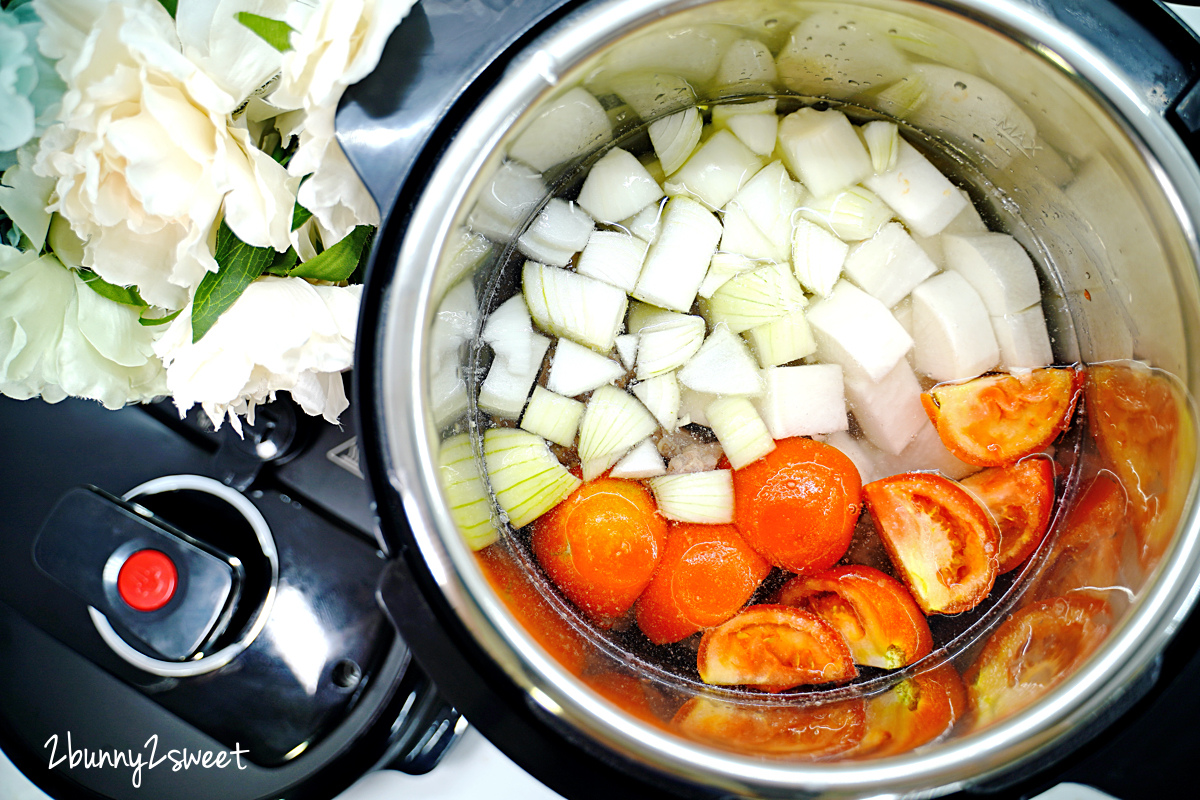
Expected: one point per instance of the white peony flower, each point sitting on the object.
(146, 155)
(231, 54)
(282, 334)
(335, 43)
(58, 338)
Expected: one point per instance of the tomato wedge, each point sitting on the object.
(797, 505)
(601, 546)
(1021, 499)
(873, 612)
(1087, 554)
(1144, 430)
(940, 539)
(706, 574)
(774, 648)
(802, 732)
(1033, 651)
(994, 420)
(914, 712)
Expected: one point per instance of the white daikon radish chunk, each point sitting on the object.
(645, 224)
(512, 195)
(643, 461)
(509, 331)
(675, 137)
(998, 267)
(580, 308)
(614, 257)
(653, 94)
(692, 405)
(902, 311)
(803, 401)
(613, 422)
(782, 341)
(817, 256)
(447, 392)
(758, 132)
(569, 126)
(506, 387)
(951, 329)
(716, 171)
(851, 215)
(723, 365)
(576, 369)
(823, 151)
(968, 220)
(466, 494)
(725, 266)
(560, 231)
(838, 53)
(889, 265)
(758, 220)
(888, 411)
(858, 332)
(740, 430)
(747, 64)
(701, 497)
(552, 416)
(919, 194)
(755, 298)
(862, 456)
(676, 264)
(627, 344)
(617, 187)
(882, 138)
(973, 114)
(667, 344)
(925, 453)
(1023, 339)
(525, 476)
(660, 395)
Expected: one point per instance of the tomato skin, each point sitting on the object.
(808, 732)
(1144, 430)
(798, 504)
(774, 648)
(601, 546)
(706, 574)
(994, 420)
(940, 539)
(1033, 651)
(875, 614)
(1087, 554)
(914, 712)
(1020, 498)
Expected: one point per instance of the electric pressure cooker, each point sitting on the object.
(295, 649)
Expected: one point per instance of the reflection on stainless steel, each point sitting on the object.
(298, 637)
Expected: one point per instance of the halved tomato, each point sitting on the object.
(774, 648)
(797, 505)
(803, 732)
(1021, 499)
(1143, 427)
(1033, 651)
(940, 539)
(914, 712)
(601, 546)
(875, 614)
(706, 574)
(1087, 554)
(999, 419)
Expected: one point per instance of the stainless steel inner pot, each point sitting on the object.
(1062, 150)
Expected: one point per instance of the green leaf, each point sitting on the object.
(274, 32)
(336, 263)
(283, 263)
(170, 6)
(149, 321)
(300, 215)
(125, 295)
(238, 265)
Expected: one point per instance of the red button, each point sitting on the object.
(147, 580)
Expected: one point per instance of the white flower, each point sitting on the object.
(146, 155)
(230, 53)
(58, 338)
(335, 43)
(282, 334)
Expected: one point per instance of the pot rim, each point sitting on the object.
(408, 445)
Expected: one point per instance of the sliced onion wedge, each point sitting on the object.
(466, 494)
(740, 430)
(579, 308)
(613, 422)
(526, 477)
(703, 497)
